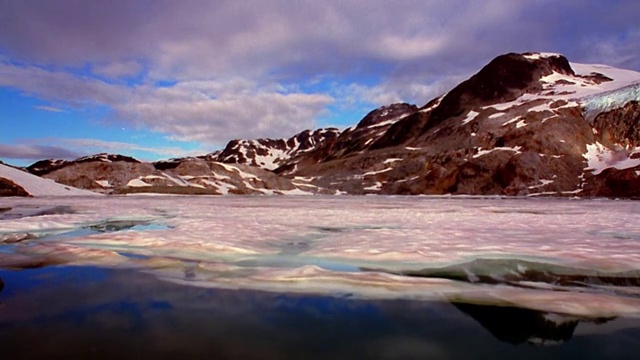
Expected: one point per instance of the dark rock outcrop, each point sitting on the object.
(10, 188)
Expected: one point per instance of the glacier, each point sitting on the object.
(594, 105)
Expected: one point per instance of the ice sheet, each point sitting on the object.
(379, 247)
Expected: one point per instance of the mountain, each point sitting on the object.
(529, 124)
(270, 154)
(525, 124)
(108, 173)
(15, 182)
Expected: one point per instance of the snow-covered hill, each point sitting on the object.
(37, 186)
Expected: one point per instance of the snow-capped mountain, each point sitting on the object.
(270, 154)
(109, 173)
(525, 124)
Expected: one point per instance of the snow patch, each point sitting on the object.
(543, 182)
(520, 124)
(470, 116)
(392, 160)
(103, 183)
(137, 183)
(389, 122)
(374, 187)
(435, 105)
(377, 172)
(542, 55)
(599, 158)
(519, 118)
(515, 149)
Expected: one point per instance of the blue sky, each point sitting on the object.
(160, 79)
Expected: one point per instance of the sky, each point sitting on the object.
(157, 79)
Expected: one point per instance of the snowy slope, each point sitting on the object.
(37, 186)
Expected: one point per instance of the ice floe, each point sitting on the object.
(578, 258)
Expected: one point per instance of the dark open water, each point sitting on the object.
(96, 313)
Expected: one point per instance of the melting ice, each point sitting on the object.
(571, 257)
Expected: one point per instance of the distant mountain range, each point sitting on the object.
(529, 124)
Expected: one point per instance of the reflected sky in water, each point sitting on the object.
(106, 313)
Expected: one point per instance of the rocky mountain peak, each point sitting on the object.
(386, 114)
(44, 167)
(270, 154)
(105, 157)
(504, 79)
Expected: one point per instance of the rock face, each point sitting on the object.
(526, 124)
(10, 188)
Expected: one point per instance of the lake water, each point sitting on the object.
(319, 277)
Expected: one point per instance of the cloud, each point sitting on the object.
(60, 86)
(69, 149)
(200, 39)
(217, 111)
(231, 63)
(36, 152)
(93, 146)
(118, 69)
(211, 111)
(392, 91)
(49, 108)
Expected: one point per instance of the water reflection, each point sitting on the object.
(517, 325)
(22, 211)
(102, 313)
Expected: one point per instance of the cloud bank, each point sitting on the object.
(210, 71)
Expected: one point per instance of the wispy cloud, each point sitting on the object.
(36, 152)
(49, 108)
(69, 149)
(93, 146)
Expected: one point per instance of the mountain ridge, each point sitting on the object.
(530, 124)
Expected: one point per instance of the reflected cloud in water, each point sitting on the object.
(104, 313)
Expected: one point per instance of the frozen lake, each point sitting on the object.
(529, 271)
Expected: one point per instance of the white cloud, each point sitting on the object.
(400, 48)
(393, 91)
(117, 69)
(217, 111)
(229, 60)
(49, 108)
(209, 111)
(59, 85)
(93, 146)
